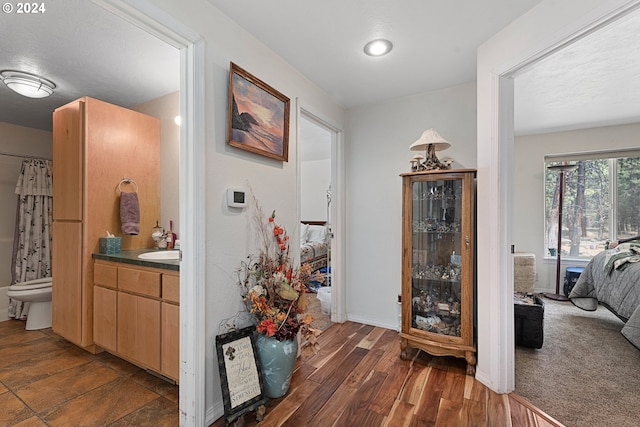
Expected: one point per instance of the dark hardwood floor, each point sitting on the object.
(358, 379)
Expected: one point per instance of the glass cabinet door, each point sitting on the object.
(436, 265)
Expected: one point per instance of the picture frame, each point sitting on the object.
(241, 376)
(258, 116)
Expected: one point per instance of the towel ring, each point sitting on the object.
(127, 181)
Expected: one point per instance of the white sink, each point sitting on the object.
(160, 255)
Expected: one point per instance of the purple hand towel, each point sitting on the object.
(130, 213)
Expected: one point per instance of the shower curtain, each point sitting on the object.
(32, 238)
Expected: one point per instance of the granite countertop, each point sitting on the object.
(131, 257)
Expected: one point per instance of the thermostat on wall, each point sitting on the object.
(236, 198)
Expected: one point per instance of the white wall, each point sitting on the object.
(25, 142)
(274, 182)
(379, 137)
(528, 206)
(315, 179)
(166, 108)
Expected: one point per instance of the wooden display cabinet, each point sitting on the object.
(438, 257)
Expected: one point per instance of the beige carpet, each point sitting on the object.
(586, 374)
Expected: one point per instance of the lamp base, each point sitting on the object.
(556, 297)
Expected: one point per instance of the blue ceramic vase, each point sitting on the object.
(278, 358)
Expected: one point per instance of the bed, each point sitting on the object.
(314, 247)
(612, 278)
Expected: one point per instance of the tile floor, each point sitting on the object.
(47, 381)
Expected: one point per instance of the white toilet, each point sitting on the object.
(38, 293)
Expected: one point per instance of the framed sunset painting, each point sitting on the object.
(258, 119)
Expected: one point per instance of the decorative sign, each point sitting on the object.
(240, 373)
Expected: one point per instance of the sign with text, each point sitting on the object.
(240, 373)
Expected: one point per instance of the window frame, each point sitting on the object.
(612, 156)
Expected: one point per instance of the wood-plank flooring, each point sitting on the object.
(358, 379)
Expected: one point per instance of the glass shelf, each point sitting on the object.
(436, 266)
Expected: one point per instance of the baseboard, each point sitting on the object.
(372, 322)
(214, 413)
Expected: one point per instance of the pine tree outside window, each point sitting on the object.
(601, 202)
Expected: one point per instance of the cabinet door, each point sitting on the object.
(67, 161)
(104, 317)
(170, 350)
(440, 286)
(67, 280)
(139, 329)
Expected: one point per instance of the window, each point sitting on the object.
(601, 201)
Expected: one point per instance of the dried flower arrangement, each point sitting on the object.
(272, 288)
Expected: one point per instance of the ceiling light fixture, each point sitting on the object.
(378, 47)
(27, 84)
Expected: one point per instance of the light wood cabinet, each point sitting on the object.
(137, 316)
(67, 269)
(105, 317)
(438, 257)
(96, 145)
(170, 341)
(139, 329)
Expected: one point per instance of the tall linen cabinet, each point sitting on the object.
(438, 263)
(95, 146)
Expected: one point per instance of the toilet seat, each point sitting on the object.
(37, 293)
(45, 282)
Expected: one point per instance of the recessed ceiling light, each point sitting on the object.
(378, 47)
(27, 84)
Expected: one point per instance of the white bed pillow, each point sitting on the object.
(317, 234)
(304, 233)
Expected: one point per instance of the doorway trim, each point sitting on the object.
(147, 16)
(338, 275)
(496, 352)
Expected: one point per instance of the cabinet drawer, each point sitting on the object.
(105, 275)
(171, 288)
(139, 281)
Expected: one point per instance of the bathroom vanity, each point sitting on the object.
(136, 310)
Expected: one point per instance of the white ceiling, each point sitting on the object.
(434, 41)
(594, 82)
(86, 50)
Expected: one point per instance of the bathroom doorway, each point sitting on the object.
(145, 16)
(151, 19)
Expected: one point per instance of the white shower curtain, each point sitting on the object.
(32, 238)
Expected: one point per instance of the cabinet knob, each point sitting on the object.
(466, 241)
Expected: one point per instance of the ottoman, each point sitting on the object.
(529, 320)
